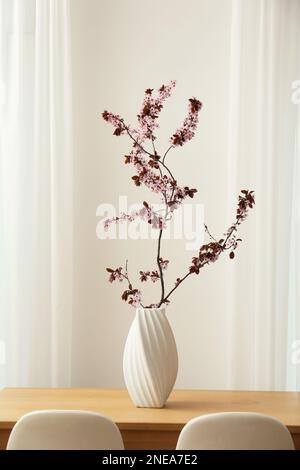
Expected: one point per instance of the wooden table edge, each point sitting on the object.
(148, 426)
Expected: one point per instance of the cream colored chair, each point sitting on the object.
(64, 430)
(235, 431)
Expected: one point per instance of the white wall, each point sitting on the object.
(119, 49)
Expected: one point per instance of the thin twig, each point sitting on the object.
(166, 153)
(175, 287)
(181, 280)
(153, 146)
(162, 282)
(166, 168)
(137, 143)
(209, 234)
(126, 275)
(128, 280)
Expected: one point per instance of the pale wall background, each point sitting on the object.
(119, 49)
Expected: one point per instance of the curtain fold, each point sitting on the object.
(36, 193)
(264, 309)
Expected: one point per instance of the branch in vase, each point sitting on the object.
(163, 182)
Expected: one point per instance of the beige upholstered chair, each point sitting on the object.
(235, 431)
(64, 430)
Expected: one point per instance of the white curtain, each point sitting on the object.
(35, 193)
(264, 149)
(262, 307)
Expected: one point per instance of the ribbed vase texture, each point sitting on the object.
(150, 360)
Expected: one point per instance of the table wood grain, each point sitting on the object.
(144, 428)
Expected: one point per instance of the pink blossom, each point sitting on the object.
(123, 217)
(144, 275)
(152, 106)
(146, 213)
(165, 90)
(135, 299)
(187, 131)
(107, 223)
(164, 263)
(116, 121)
(154, 276)
(116, 274)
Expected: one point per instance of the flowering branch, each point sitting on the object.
(152, 171)
(130, 295)
(210, 252)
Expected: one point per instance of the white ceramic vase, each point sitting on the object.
(150, 362)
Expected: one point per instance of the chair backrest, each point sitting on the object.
(64, 430)
(235, 431)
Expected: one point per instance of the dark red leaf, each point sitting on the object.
(125, 295)
(136, 180)
(196, 105)
(118, 131)
(105, 115)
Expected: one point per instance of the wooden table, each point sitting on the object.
(143, 428)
